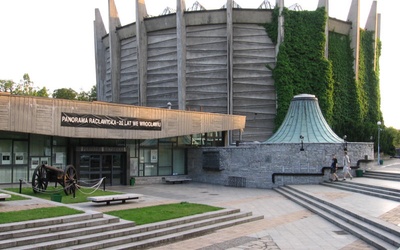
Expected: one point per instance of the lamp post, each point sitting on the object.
(345, 142)
(379, 137)
(301, 138)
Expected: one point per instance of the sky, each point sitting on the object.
(52, 40)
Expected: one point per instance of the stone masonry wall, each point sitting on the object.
(270, 165)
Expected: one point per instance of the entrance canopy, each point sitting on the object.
(80, 119)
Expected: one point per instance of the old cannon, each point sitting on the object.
(44, 174)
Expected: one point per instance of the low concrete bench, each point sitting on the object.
(174, 180)
(117, 197)
(3, 197)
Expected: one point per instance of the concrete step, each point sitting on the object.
(39, 231)
(359, 184)
(377, 233)
(61, 233)
(381, 192)
(382, 175)
(194, 232)
(157, 233)
(91, 238)
(49, 221)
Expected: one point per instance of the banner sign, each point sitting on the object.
(103, 121)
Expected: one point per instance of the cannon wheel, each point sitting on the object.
(39, 179)
(70, 179)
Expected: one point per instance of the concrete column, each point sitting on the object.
(100, 56)
(115, 50)
(181, 52)
(372, 25)
(229, 63)
(378, 27)
(229, 52)
(281, 31)
(354, 17)
(325, 3)
(141, 39)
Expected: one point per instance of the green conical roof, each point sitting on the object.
(304, 118)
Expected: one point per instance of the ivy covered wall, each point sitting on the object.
(301, 67)
(350, 106)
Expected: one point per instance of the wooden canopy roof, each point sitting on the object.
(80, 119)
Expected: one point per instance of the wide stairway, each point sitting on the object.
(381, 192)
(100, 231)
(382, 175)
(377, 233)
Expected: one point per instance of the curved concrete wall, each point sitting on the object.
(224, 66)
(213, 61)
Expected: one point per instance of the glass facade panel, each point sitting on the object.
(40, 145)
(117, 174)
(213, 139)
(156, 157)
(20, 172)
(165, 162)
(20, 169)
(5, 174)
(179, 161)
(84, 167)
(5, 152)
(20, 152)
(60, 141)
(59, 158)
(148, 162)
(133, 147)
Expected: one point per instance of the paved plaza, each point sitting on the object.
(286, 225)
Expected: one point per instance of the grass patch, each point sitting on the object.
(80, 196)
(15, 197)
(158, 213)
(37, 213)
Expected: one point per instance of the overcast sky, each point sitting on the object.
(52, 40)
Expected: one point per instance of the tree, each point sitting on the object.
(395, 134)
(43, 92)
(65, 93)
(93, 93)
(88, 96)
(24, 87)
(7, 86)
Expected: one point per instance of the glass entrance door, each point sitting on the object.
(96, 166)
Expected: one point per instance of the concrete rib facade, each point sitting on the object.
(213, 61)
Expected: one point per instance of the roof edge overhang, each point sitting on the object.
(39, 115)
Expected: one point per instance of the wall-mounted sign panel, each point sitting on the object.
(103, 121)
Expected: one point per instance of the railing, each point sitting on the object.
(316, 174)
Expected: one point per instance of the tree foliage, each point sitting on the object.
(88, 96)
(24, 87)
(65, 93)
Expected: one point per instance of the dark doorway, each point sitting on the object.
(94, 166)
